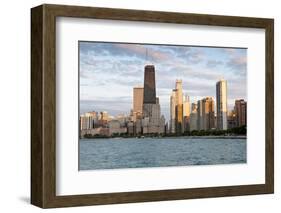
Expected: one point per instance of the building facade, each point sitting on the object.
(209, 113)
(173, 111)
(88, 120)
(231, 119)
(206, 114)
(115, 128)
(193, 117)
(199, 115)
(241, 112)
(151, 106)
(186, 113)
(85, 122)
(179, 126)
(221, 96)
(137, 102)
(149, 95)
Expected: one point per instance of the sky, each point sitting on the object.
(110, 71)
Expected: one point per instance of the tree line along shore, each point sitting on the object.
(229, 133)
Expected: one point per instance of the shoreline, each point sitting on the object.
(178, 137)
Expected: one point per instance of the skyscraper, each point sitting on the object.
(209, 112)
(179, 107)
(186, 113)
(193, 117)
(241, 112)
(221, 94)
(137, 102)
(206, 114)
(149, 91)
(151, 107)
(199, 115)
(149, 85)
(173, 111)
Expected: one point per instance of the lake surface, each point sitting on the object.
(159, 152)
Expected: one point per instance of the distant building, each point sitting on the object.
(221, 95)
(206, 114)
(231, 120)
(186, 113)
(173, 111)
(162, 125)
(151, 107)
(138, 127)
(193, 117)
(179, 107)
(137, 102)
(132, 117)
(104, 132)
(199, 115)
(101, 131)
(92, 132)
(103, 119)
(179, 110)
(241, 112)
(209, 112)
(123, 119)
(116, 128)
(149, 92)
(130, 128)
(104, 116)
(145, 123)
(85, 122)
(88, 120)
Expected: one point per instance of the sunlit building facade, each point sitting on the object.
(179, 107)
(137, 101)
(206, 114)
(186, 113)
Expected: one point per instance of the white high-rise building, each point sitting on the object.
(173, 111)
(87, 120)
(221, 95)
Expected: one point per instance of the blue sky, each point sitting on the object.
(109, 71)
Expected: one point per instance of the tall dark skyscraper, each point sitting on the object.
(152, 120)
(149, 95)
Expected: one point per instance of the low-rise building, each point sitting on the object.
(116, 128)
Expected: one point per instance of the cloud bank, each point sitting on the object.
(109, 71)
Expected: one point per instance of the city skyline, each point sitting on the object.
(145, 118)
(121, 65)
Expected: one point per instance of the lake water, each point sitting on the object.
(159, 152)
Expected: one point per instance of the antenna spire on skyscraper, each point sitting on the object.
(146, 55)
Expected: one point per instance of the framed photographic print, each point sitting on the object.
(136, 106)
